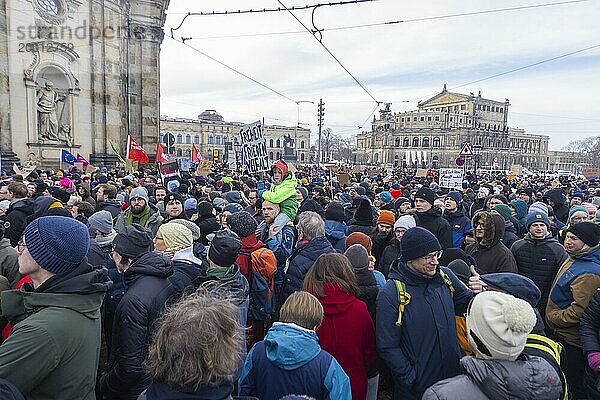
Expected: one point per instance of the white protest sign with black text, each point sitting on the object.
(254, 147)
(451, 178)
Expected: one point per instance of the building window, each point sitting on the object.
(463, 107)
(501, 110)
(179, 138)
(401, 119)
(217, 139)
(397, 142)
(302, 146)
(302, 156)
(278, 155)
(436, 142)
(415, 119)
(437, 118)
(188, 153)
(425, 142)
(197, 139)
(179, 152)
(271, 144)
(406, 142)
(188, 139)
(278, 145)
(423, 119)
(271, 155)
(415, 142)
(210, 139)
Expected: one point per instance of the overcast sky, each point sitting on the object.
(399, 63)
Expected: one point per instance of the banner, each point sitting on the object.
(160, 154)
(67, 157)
(254, 147)
(204, 168)
(195, 154)
(169, 169)
(451, 178)
(114, 149)
(135, 152)
(82, 160)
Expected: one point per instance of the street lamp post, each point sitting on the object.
(298, 121)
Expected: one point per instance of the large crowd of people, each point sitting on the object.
(290, 284)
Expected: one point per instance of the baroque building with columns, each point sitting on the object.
(432, 135)
(210, 132)
(78, 75)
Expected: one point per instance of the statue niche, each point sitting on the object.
(53, 114)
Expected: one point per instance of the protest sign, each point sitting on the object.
(591, 173)
(254, 147)
(204, 168)
(451, 178)
(169, 169)
(343, 179)
(421, 173)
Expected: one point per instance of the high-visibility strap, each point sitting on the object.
(551, 347)
(447, 281)
(403, 299)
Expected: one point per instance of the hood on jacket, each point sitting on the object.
(493, 225)
(335, 301)
(290, 346)
(529, 377)
(335, 229)
(520, 207)
(24, 204)
(151, 263)
(556, 195)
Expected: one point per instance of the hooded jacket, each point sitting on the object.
(573, 288)
(113, 206)
(363, 220)
(539, 260)
(429, 318)
(208, 224)
(249, 244)
(510, 234)
(16, 218)
(528, 377)
(302, 258)
(561, 210)
(489, 252)
(336, 232)
(54, 347)
(189, 272)
(290, 361)
(154, 221)
(345, 313)
(148, 292)
(433, 221)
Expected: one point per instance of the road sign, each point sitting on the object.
(169, 141)
(460, 161)
(466, 150)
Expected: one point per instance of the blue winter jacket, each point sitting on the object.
(290, 361)
(460, 224)
(424, 348)
(303, 257)
(583, 264)
(336, 232)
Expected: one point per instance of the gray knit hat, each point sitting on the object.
(101, 221)
(242, 223)
(139, 192)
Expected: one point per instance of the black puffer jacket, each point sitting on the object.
(539, 260)
(433, 221)
(148, 291)
(590, 338)
(392, 252)
(16, 219)
(380, 241)
(367, 289)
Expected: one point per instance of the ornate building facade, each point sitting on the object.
(78, 75)
(433, 135)
(211, 132)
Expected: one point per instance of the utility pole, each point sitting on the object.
(320, 114)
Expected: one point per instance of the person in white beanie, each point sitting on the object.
(140, 211)
(393, 251)
(498, 325)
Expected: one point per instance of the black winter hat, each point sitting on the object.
(426, 194)
(224, 248)
(204, 208)
(418, 242)
(133, 241)
(173, 196)
(364, 212)
(334, 212)
(588, 232)
(242, 223)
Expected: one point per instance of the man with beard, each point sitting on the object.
(140, 211)
(431, 218)
(106, 199)
(382, 235)
(454, 213)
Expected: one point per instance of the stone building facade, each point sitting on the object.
(211, 132)
(433, 135)
(78, 75)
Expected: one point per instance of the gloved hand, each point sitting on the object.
(594, 360)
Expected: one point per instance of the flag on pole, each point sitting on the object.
(67, 157)
(195, 153)
(116, 151)
(82, 160)
(160, 154)
(135, 152)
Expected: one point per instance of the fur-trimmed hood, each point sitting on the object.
(493, 224)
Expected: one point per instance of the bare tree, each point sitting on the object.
(587, 148)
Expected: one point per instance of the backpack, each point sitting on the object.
(404, 296)
(262, 286)
(554, 350)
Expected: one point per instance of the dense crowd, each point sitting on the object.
(298, 284)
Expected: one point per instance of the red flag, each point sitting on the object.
(160, 153)
(195, 158)
(82, 160)
(135, 152)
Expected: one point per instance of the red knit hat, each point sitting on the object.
(282, 166)
(359, 238)
(386, 217)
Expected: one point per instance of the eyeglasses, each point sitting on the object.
(431, 257)
(21, 246)
(159, 238)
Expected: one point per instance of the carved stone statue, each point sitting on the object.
(288, 148)
(288, 142)
(49, 128)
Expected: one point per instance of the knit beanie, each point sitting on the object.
(386, 217)
(101, 221)
(358, 256)
(233, 197)
(190, 204)
(361, 191)
(176, 236)
(587, 232)
(575, 209)
(282, 166)
(133, 241)
(578, 193)
(385, 196)
(533, 217)
(359, 238)
(456, 196)
(501, 322)
(503, 210)
(334, 212)
(233, 208)
(303, 192)
(173, 196)
(461, 270)
(418, 242)
(57, 244)
(196, 233)
(426, 194)
(590, 208)
(204, 208)
(242, 223)
(218, 201)
(224, 248)
(405, 222)
(514, 284)
(139, 192)
(61, 195)
(538, 206)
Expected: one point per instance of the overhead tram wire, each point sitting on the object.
(330, 53)
(234, 70)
